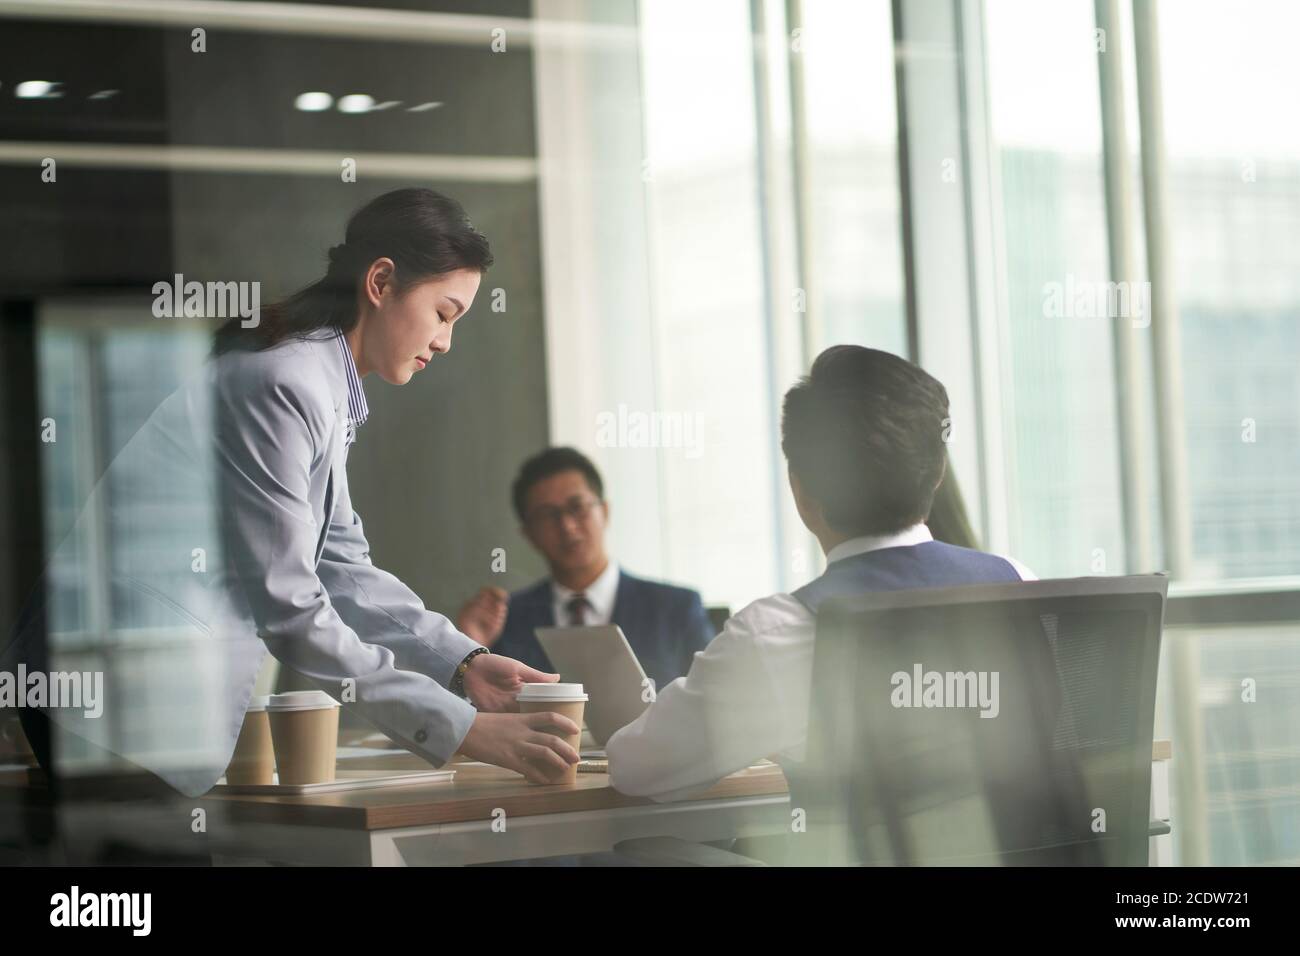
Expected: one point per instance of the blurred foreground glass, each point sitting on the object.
(119, 532)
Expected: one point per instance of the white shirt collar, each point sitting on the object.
(916, 534)
(600, 594)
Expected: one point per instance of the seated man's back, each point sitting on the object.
(863, 436)
(747, 695)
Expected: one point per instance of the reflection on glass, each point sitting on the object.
(117, 532)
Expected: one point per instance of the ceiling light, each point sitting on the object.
(313, 102)
(37, 90)
(356, 103)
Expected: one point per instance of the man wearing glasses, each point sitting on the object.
(559, 498)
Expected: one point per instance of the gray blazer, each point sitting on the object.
(232, 532)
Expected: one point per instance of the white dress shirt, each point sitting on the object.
(600, 594)
(746, 696)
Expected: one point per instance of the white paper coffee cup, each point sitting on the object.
(305, 732)
(568, 700)
(253, 762)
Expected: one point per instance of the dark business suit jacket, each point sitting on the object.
(665, 625)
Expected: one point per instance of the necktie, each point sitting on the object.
(577, 610)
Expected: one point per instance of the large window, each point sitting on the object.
(1234, 193)
(1232, 147)
(854, 250)
(1014, 93)
(708, 298)
(1045, 134)
(690, 170)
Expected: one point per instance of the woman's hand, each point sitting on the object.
(484, 615)
(492, 682)
(525, 743)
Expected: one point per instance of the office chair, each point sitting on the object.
(1058, 774)
(718, 615)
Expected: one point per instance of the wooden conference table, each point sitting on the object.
(485, 814)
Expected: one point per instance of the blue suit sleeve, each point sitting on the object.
(508, 644)
(698, 631)
(518, 641)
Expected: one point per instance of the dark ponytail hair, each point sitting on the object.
(425, 233)
(948, 519)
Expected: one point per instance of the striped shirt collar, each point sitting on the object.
(358, 411)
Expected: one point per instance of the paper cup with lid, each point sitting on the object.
(570, 700)
(305, 732)
(253, 762)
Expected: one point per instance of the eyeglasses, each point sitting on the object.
(577, 509)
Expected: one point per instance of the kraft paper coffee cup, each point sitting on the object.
(253, 762)
(568, 700)
(305, 731)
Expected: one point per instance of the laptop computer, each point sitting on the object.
(600, 659)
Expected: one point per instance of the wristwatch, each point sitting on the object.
(457, 685)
